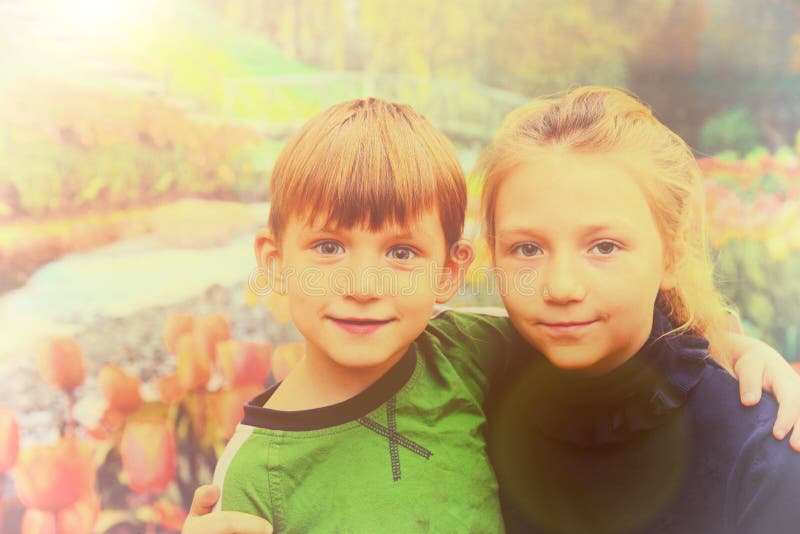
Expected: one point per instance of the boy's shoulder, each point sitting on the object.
(473, 322)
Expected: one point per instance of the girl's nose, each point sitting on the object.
(563, 284)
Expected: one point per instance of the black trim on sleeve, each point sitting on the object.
(336, 414)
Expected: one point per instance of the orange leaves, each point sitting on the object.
(120, 389)
(9, 440)
(61, 364)
(149, 455)
(53, 477)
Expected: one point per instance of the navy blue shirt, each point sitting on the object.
(660, 444)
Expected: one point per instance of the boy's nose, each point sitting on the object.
(367, 283)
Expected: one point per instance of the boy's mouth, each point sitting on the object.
(359, 325)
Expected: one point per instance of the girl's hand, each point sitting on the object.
(202, 521)
(756, 366)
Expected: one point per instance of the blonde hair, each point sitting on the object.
(368, 163)
(602, 120)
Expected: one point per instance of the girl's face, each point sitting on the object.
(584, 225)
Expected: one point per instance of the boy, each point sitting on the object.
(379, 427)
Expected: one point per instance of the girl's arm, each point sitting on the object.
(202, 521)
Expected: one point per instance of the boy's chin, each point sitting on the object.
(367, 361)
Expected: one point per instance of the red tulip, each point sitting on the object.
(121, 389)
(60, 362)
(210, 330)
(169, 389)
(175, 326)
(194, 365)
(285, 358)
(52, 477)
(149, 455)
(9, 440)
(244, 362)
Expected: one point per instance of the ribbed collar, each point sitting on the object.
(336, 414)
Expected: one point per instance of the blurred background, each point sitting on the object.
(136, 143)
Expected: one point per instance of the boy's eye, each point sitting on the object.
(402, 253)
(527, 250)
(605, 248)
(329, 248)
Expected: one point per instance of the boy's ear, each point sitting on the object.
(459, 258)
(269, 260)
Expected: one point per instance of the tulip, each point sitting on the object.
(285, 358)
(244, 362)
(210, 330)
(169, 389)
(80, 517)
(170, 516)
(53, 477)
(38, 522)
(60, 362)
(149, 455)
(175, 326)
(9, 440)
(194, 365)
(227, 406)
(121, 389)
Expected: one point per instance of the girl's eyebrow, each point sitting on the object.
(515, 232)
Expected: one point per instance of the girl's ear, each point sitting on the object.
(269, 262)
(450, 278)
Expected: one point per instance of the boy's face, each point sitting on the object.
(584, 225)
(360, 297)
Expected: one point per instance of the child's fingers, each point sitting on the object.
(750, 373)
(205, 497)
(787, 393)
(795, 441)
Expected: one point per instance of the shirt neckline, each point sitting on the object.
(340, 413)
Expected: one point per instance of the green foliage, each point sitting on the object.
(732, 130)
(767, 292)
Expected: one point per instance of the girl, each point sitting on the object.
(615, 420)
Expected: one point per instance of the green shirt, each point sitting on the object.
(406, 455)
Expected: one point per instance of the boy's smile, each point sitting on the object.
(585, 225)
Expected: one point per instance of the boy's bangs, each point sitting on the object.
(380, 167)
(365, 179)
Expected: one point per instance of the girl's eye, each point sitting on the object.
(402, 253)
(527, 250)
(605, 248)
(329, 248)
